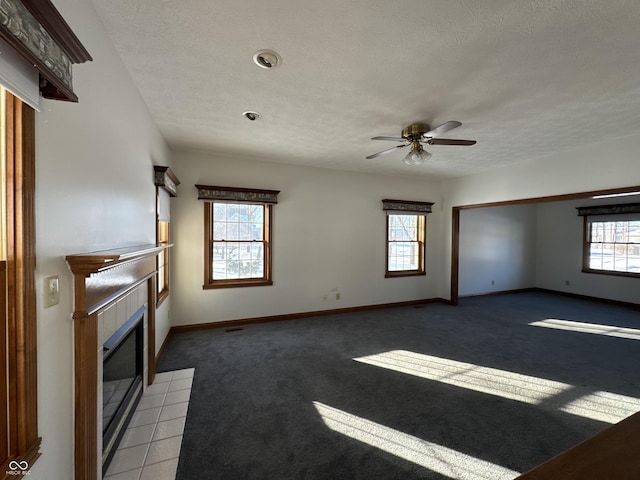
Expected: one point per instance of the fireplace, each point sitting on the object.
(122, 371)
(110, 287)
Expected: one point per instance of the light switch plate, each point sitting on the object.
(51, 291)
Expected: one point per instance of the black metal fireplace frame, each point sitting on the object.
(113, 434)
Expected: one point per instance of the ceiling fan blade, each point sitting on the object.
(445, 127)
(392, 139)
(450, 141)
(384, 152)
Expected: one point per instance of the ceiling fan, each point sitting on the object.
(418, 135)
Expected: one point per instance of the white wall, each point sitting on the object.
(497, 249)
(329, 233)
(559, 255)
(603, 165)
(94, 191)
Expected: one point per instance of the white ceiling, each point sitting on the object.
(525, 78)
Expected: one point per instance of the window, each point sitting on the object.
(163, 261)
(406, 233)
(166, 187)
(237, 236)
(612, 240)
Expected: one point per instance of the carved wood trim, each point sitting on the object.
(36, 30)
(165, 178)
(47, 15)
(236, 195)
(406, 206)
(99, 279)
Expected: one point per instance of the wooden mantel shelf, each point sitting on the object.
(94, 262)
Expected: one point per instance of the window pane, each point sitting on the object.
(243, 213)
(257, 231)
(403, 256)
(219, 212)
(634, 232)
(595, 256)
(403, 227)
(244, 231)
(634, 258)
(244, 252)
(608, 252)
(620, 256)
(232, 231)
(609, 231)
(219, 270)
(597, 232)
(622, 232)
(257, 214)
(219, 231)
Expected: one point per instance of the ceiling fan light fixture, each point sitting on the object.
(417, 155)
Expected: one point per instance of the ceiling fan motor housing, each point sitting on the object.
(414, 132)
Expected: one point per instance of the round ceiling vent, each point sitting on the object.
(266, 59)
(251, 115)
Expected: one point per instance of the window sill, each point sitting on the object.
(237, 283)
(404, 273)
(612, 273)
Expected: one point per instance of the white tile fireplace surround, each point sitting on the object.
(150, 447)
(109, 287)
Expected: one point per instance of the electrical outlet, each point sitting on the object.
(337, 296)
(51, 291)
(567, 283)
(493, 282)
(324, 297)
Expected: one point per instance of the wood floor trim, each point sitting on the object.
(589, 297)
(296, 316)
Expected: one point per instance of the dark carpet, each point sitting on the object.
(252, 413)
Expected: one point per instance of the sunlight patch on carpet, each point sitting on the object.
(608, 330)
(603, 406)
(443, 460)
(513, 386)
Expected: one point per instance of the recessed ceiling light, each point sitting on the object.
(251, 115)
(266, 59)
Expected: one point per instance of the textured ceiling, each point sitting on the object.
(525, 78)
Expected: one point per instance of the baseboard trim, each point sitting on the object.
(500, 292)
(589, 297)
(296, 316)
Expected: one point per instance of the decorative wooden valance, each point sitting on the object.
(624, 209)
(37, 31)
(165, 178)
(406, 207)
(236, 195)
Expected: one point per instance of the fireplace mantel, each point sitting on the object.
(94, 262)
(100, 279)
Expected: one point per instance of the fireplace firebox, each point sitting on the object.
(122, 373)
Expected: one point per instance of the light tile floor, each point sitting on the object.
(150, 447)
